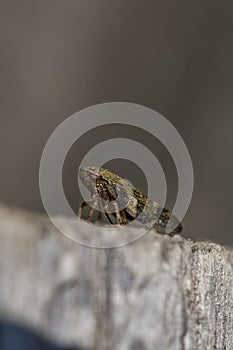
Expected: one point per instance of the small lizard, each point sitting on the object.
(129, 202)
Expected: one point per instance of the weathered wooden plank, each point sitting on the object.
(156, 293)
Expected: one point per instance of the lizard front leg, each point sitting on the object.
(86, 204)
(80, 211)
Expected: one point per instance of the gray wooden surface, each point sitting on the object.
(157, 293)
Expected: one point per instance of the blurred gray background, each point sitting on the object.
(58, 57)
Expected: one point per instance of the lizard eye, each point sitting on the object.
(94, 175)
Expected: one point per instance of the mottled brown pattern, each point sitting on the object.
(111, 187)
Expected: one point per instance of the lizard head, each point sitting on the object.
(88, 176)
(99, 180)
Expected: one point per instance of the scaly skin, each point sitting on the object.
(110, 187)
